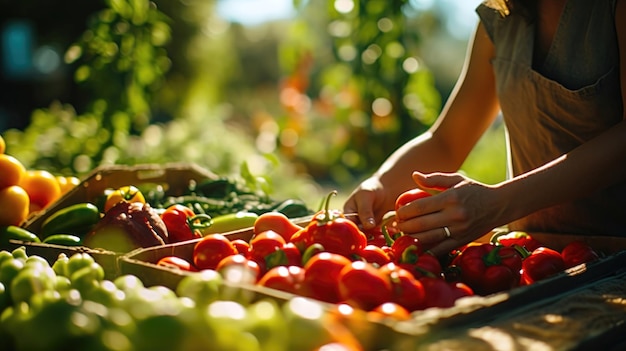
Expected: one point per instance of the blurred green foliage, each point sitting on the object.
(311, 103)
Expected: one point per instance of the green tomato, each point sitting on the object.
(266, 322)
(9, 269)
(78, 261)
(4, 297)
(36, 262)
(202, 287)
(106, 293)
(160, 332)
(128, 283)
(31, 281)
(305, 318)
(5, 255)
(60, 265)
(20, 253)
(87, 278)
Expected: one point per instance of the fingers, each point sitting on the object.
(361, 203)
(436, 182)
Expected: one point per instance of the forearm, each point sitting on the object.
(424, 154)
(595, 165)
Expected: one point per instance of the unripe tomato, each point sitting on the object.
(15, 204)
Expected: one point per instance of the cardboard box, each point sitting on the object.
(173, 177)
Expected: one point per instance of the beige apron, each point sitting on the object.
(552, 109)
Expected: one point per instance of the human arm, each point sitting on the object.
(471, 209)
(469, 111)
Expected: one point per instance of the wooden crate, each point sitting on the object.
(173, 177)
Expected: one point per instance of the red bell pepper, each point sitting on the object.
(489, 268)
(542, 263)
(520, 238)
(578, 252)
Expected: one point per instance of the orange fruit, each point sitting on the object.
(67, 183)
(14, 202)
(42, 188)
(3, 145)
(11, 171)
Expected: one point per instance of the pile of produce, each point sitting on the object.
(332, 260)
(131, 217)
(24, 192)
(68, 305)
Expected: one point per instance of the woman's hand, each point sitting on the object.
(370, 201)
(468, 209)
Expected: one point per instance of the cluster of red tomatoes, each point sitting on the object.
(331, 259)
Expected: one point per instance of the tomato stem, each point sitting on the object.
(387, 218)
(199, 221)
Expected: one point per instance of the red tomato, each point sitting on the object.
(427, 265)
(440, 293)
(277, 222)
(375, 236)
(284, 278)
(242, 246)
(211, 249)
(177, 219)
(410, 196)
(374, 254)
(542, 263)
(287, 255)
(321, 274)
(239, 269)
(264, 243)
(406, 249)
(337, 235)
(578, 252)
(408, 292)
(175, 262)
(362, 285)
(332, 230)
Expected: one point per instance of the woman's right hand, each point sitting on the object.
(370, 201)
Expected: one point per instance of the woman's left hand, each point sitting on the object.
(463, 212)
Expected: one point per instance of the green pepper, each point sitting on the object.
(76, 219)
(16, 233)
(230, 222)
(63, 239)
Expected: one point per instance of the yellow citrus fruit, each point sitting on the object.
(11, 171)
(3, 145)
(14, 202)
(42, 188)
(67, 183)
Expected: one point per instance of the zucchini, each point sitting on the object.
(16, 233)
(76, 219)
(63, 239)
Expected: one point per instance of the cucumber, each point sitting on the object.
(16, 233)
(75, 219)
(63, 239)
